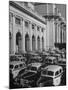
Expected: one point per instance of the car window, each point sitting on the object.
(50, 73)
(32, 68)
(11, 66)
(44, 72)
(57, 73)
(20, 65)
(50, 61)
(60, 70)
(16, 67)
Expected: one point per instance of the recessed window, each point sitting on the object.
(38, 28)
(10, 17)
(26, 24)
(42, 29)
(26, 4)
(17, 21)
(32, 26)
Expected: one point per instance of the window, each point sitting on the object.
(42, 29)
(11, 66)
(26, 24)
(32, 26)
(38, 28)
(57, 73)
(21, 65)
(16, 66)
(33, 68)
(26, 4)
(44, 72)
(17, 21)
(60, 70)
(50, 73)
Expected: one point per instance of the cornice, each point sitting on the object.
(14, 4)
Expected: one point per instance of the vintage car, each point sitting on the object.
(34, 59)
(62, 62)
(50, 60)
(31, 75)
(16, 67)
(17, 58)
(57, 55)
(50, 75)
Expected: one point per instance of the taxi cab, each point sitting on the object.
(51, 60)
(50, 75)
(17, 58)
(16, 67)
(31, 75)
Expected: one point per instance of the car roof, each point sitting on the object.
(53, 68)
(36, 65)
(17, 62)
(51, 57)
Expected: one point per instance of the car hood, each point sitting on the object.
(29, 75)
(45, 80)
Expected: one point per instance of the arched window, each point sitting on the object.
(33, 43)
(42, 43)
(18, 42)
(38, 43)
(27, 42)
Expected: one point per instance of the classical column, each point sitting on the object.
(36, 36)
(55, 32)
(62, 34)
(40, 40)
(13, 36)
(30, 31)
(23, 36)
(44, 36)
(59, 33)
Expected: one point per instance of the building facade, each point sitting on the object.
(27, 29)
(56, 24)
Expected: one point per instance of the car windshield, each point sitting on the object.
(50, 73)
(32, 68)
(50, 61)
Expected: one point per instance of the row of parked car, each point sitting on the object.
(38, 69)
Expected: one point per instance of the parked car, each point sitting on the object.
(50, 75)
(16, 66)
(50, 60)
(17, 58)
(31, 75)
(62, 62)
(34, 59)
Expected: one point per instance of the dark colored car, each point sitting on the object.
(30, 76)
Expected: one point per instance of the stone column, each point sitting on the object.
(40, 40)
(53, 33)
(44, 36)
(62, 34)
(36, 36)
(23, 36)
(59, 33)
(30, 31)
(13, 36)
